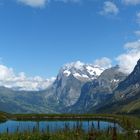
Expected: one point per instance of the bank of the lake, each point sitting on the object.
(124, 120)
(130, 123)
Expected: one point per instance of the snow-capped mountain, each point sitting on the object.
(96, 92)
(21, 82)
(78, 88)
(81, 71)
(66, 88)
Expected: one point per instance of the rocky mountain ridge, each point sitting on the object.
(79, 88)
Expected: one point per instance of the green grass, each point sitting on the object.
(70, 134)
(131, 107)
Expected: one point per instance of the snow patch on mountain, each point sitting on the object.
(94, 70)
(67, 73)
(81, 70)
(77, 75)
(85, 76)
(115, 80)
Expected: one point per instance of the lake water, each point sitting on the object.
(21, 126)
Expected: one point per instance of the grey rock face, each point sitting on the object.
(126, 97)
(94, 94)
(66, 89)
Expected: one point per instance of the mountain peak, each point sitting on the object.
(81, 71)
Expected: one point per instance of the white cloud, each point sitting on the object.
(6, 73)
(33, 3)
(128, 60)
(131, 2)
(137, 33)
(77, 65)
(103, 62)
(109, 8)
(21, 82)
(42, 3)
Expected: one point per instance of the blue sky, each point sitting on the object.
(38, 37)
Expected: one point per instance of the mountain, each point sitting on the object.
(79, 88)
(95, 93)
(66, 89)
(127, 95)
(81, 71)
(22, 101)
(130, 85)
(62, 92)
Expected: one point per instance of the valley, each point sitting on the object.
(100, 91)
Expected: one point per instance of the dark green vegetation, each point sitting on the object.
(129, 106)
(75, 134)
(3, 116)
(12, 101)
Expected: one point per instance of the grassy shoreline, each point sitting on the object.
(125, 121)
(130, 123)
